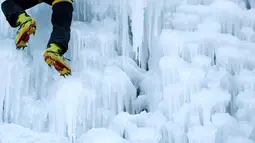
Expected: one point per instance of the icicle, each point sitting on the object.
(118, 92)
(169, 68)
(248, 18)
(107, 38)
(92, 45)
(82, 36)
(192, 78)
(146, 86)
(213, 77)
(91, 77)
(152, 30)
(210, 100)
(33, 113)
(140, 104)
(171, 43)
(90, 58)
(174, 97)
(124, 44)
(175, 70)
(233, 61)
(151, 87)
(176, 133)
(228, 126)
(230, 20)
(83, 10)
(182, 117)
(120, 122)
(246, 33)
(129, 66)
(137, 24)
(12, 69)
(74, 108)
(203, 134)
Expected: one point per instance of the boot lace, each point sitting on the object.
(57, 54)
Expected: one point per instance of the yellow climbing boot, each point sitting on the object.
(53, 57)
(27, 26)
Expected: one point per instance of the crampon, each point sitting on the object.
(24, 35)
(58, 62)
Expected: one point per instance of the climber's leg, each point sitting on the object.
(49, 2)
(62, 12)
(60, 36)
(13, 8)
(14, 11)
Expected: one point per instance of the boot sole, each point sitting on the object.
(21, 44)
(61, 68)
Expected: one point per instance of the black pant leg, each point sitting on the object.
(49, 2)
(13, 8)
(61, 20)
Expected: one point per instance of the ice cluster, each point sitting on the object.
(144, 71)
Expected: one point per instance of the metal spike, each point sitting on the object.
(68, 74)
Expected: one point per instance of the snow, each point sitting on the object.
(101, 135)
(15, 133)
(149, 71)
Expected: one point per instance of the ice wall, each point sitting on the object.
(149, 71)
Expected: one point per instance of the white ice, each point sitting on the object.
(148, 71)
(11, 133)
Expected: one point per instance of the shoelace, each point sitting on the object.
(22, 24)
(66, 58)
(57, 53)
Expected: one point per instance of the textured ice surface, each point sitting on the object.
(100, 135)
(11, 133)
(203, 134)
(148, 71)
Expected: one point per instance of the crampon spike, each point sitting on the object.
(63, 75)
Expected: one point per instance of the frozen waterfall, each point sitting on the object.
(144, 71)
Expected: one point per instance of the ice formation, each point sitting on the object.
(147, 71)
